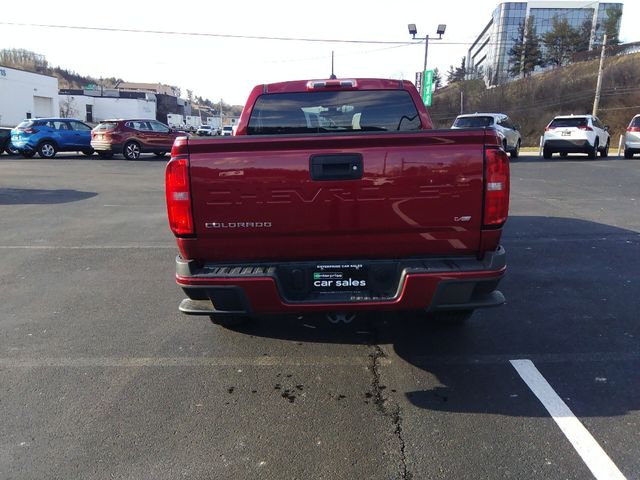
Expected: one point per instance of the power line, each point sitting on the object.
(581, 96)
(619, 108)
(232, 36)
(203, 34)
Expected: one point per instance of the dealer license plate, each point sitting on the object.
(340, 277)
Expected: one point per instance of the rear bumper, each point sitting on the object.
(24, 146)
(569, 146)
(432, 284)
(632, 146)
(106, 146)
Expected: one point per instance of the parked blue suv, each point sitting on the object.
(47, 136)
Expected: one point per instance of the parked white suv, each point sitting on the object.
(507, 130)
(576, 134)
(632, 138)
(206, 130)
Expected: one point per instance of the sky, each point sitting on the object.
(228, 68)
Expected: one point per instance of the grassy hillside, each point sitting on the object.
(533, 102)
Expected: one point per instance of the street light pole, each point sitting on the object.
(413, 31)
(426, 52)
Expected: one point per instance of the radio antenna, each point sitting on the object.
(332, 77)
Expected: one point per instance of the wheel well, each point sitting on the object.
(50, 140)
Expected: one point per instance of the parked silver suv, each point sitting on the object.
(507, 130)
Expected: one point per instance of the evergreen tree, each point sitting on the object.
(451, 75)
(560, 43)
(611, 26)
(437, 79)
(525, 55)
(585, 35)
(461, 71)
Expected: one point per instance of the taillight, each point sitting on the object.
(585, 127)
(633, 129)
(30, 131)
(178, 191)
(496, 186)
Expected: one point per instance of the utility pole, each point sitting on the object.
(596, 101)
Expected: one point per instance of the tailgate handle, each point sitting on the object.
(340, 166)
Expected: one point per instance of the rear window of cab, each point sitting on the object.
(333, 112)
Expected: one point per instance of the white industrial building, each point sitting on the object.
(26, 95)
(93, 106)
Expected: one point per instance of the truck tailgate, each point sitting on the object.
(338, 196)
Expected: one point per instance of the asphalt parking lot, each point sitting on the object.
(102, 377)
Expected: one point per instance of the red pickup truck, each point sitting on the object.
(337, 196)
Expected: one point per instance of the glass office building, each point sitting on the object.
(489, 54)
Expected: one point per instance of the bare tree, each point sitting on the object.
(67, 107)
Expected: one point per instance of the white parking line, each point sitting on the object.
(587, 447)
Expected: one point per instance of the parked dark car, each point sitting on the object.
(48, 136)
(132, 137)
(5, 141)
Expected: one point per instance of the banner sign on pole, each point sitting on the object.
(428, 87)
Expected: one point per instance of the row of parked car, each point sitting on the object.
(209, 131)
(48, 136)
(564, 134)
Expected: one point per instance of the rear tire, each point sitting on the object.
(452, 317)
(11, 151)
(516, 152)
(105, 155)
(593, 152)
(546, 153)
(229, 321)
(28, 154)
(564, 154)
(628, 154)
(131, 151)
(604, 153)
(88, 152)
(160, 154)
(47, 150)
